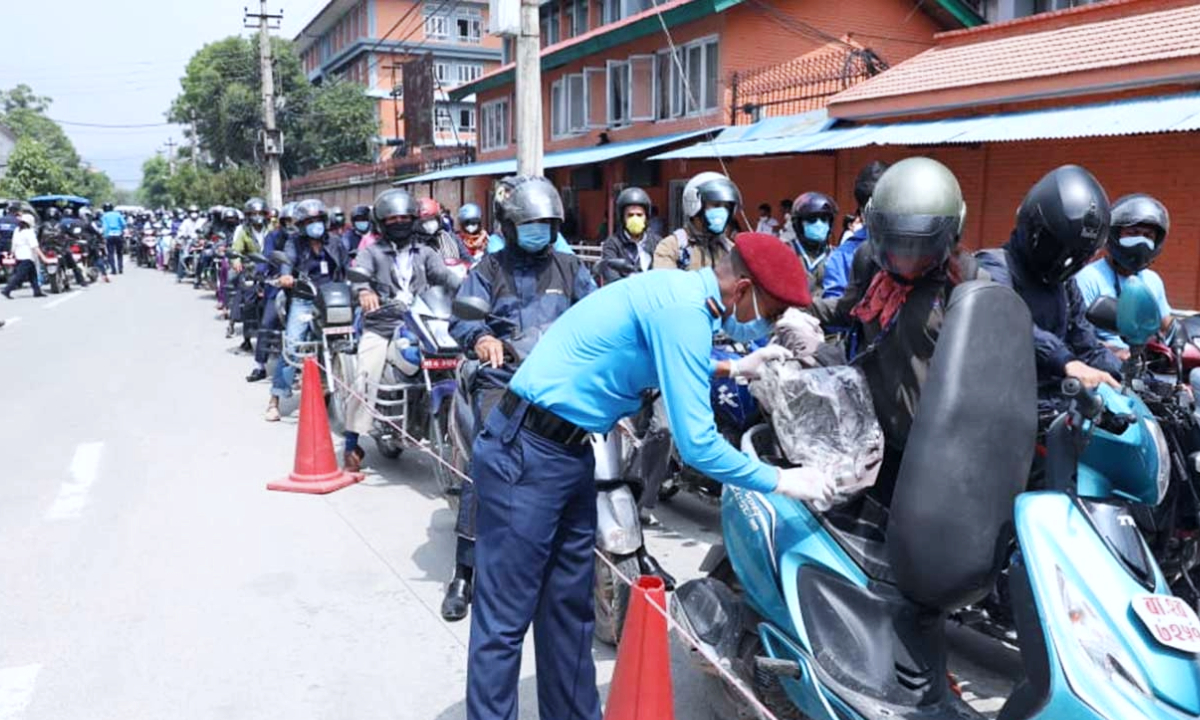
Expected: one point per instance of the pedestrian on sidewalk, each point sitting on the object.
(24, 249)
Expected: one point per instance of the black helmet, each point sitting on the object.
(108, 207)
(52, 213)
(528, 198)
(632, 196)
(337, 216)
(868, 177)
(309, 210)
(1131, 210)
(229, 216)
(1060, 224)
(915, 216)
(360, 212)
(396, 203)
(809, 207)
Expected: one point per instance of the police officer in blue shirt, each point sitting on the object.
(533, 465)
(8, 226)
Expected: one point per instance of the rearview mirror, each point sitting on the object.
(1138, 313)
(257, 257)
(279, 258)
(471, 307)
(1103, 313)
(358, 275)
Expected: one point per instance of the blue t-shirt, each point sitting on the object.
(1100, 280)
(113, 223)
(837, 267)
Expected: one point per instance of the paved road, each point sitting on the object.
(147, 573)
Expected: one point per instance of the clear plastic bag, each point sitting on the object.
(824, 417)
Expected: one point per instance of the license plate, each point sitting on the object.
(1170, 620)
(340, 330)
(439, 363)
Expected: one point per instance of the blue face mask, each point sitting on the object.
(362, 225)
(315, 230)
(816, 230)
(750, 331)
(533, 237)
(717, 218)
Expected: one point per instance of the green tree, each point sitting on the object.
(32, 171)
(338, 126)
(156, 179)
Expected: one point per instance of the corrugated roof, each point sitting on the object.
(1171, 113)
(563, 158)
(746, 139)
(1104, 43)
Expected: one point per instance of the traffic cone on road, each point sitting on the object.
(316, 469)
(641, 684)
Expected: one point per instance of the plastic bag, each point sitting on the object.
(824, 417)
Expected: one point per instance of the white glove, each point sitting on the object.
(809, 484)
(749, 366)
(799, 332)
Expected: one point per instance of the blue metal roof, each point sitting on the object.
(749, 139)
(563, 158)
(53, 199)
(1161, 114)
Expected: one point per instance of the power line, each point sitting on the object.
(111, 127)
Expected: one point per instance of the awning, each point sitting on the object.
(748, 139)
(1160, 114)
(563, 158)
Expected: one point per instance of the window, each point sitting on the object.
(608, 11)
(466, 119)
(469, 72)
(690, 92)
(469, 29)
(549, 19)
(441, 72)
(576, 103)
(442, 120)
(495, 124)
(437, 26)
(558, 108)
(618, 93)
(577, 17)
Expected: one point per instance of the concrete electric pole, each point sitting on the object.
(529, 91)
(171, 155)
(272, 140)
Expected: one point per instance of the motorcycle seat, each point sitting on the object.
(860, 528)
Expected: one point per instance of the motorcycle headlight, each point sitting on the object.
(1103, 656)
(1164, 457)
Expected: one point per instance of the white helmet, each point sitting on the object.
(710, 187)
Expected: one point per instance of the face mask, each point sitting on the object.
(471, 228)
(747, 332)
(362, 225)
(430, 226)
(256, 220)
(194, 216)
(636, 225)
(533, 237)
(398, 232)
(717, 218)
(315, 230)
(816, 231)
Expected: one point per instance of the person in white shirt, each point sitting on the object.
(189, 229)
(766, 223)
(25, 248)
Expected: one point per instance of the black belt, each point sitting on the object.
(544, 423)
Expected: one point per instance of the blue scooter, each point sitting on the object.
(841, 615)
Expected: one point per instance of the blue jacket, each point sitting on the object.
(837, 267)
(528, 291)
(1061, 331)
(300, 257)
(113, 223)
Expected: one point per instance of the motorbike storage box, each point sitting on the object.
(969, 451)
(334, 303)
(823, 417)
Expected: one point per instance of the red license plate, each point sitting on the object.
(1171, 621)
(439, 363)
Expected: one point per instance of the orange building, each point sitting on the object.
(623, 79)
(365, 41)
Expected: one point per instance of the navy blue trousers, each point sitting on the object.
(533, 564)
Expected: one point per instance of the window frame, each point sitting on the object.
(495, 124)
(434, 20)
(617, 70)
(680, 103)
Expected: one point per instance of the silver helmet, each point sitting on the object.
(915, 216)
(710, 187)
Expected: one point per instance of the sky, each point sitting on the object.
(118, 62)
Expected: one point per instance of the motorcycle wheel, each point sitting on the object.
(55, 284)
(440, 445)
(388, 448)
(611, 597)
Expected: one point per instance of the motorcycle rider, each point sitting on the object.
(710, 201)
(1061, 224)
(841, 260)
(337, 221)
(57, 236)
(471, 232)
(94, 236)
(247, 239)
(360, 227)
(1135, 239)
(430, 231)
(270, 322)
(401, 268)
(633, 240)
(114, 238)
(311, 254)
(812, 218)
(189, 231)
(528, 286)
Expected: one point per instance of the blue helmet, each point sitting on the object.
(469, 213)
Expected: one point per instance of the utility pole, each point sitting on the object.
(529, 92)
(171, 155)
(195, 143)
(394, 66)
(272, 141)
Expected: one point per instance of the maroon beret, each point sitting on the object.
(774, 267)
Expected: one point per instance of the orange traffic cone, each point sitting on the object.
(316, 469)
(641, 684)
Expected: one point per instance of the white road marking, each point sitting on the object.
(61, 300)
(12, 320)
(16, 690)
(72, 496)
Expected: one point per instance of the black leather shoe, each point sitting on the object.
(457, 600)
(246, 346)
(650, 566)
(256, 374)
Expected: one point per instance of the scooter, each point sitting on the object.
(830, 617)
(55, 274)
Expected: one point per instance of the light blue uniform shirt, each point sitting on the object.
(496, 244)
(1100, 280)
(651, 330)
